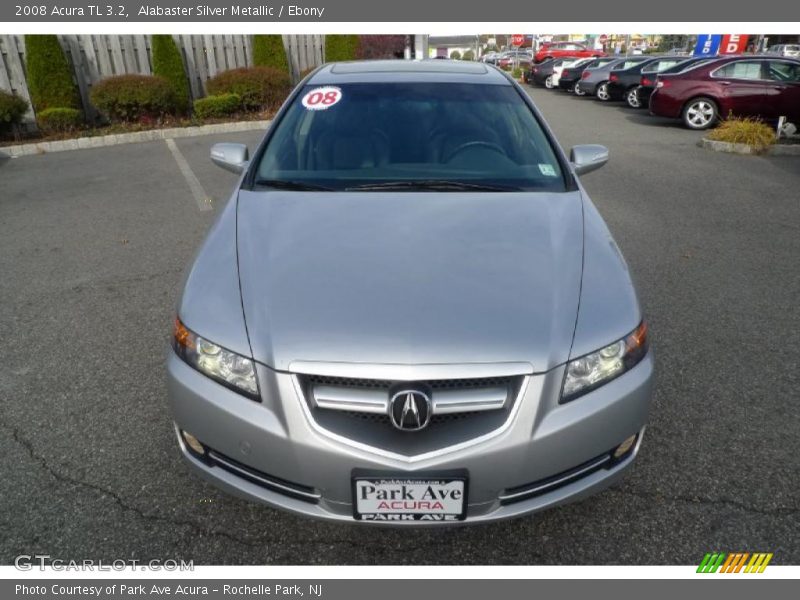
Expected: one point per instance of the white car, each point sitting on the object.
(789, 50)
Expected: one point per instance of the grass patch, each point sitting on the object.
(744, 130)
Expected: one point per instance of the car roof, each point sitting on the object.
(386, 71)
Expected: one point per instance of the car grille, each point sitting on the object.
(463, 409)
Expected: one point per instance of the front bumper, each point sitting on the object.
(273, 452)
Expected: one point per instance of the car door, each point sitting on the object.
(783, 89)
(740, 87)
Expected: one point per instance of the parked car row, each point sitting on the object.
(698, 90)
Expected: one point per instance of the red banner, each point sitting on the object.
(733, 44)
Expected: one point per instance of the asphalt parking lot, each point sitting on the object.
(92, 247)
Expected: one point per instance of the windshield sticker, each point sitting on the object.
(547, 170)
(322, 98)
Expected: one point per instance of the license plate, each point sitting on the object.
(402, 499)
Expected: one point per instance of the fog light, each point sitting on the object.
(193, 443)
(625, 447)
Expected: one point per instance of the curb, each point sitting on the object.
(102, 141)
(776, 150)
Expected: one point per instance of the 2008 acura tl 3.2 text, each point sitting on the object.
(409, 311)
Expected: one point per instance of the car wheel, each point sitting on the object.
(632, 98)
(700, 113)
(548, 83)
(603, 93)
(577, 89)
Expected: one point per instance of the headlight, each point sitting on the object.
(226, 367)
(593, 370)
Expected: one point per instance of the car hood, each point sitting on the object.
(410, 278)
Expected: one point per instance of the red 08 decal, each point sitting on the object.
(322, 98)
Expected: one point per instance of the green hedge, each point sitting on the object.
(134, 97)
(59, 120)
(49, 75)
(258, 87)
(455, 55)
(268, 51)
(167, 63)
(12, 109)
(212, 107)
(340, 47)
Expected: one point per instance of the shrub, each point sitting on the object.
(212, 107)
(133, 97)
(167, 63)
(268, 51)
(12, 109)
(468, 55)
(746, 130)
(516, 73)
(49, 75)
(380, 46)
(455, 55)
(258, 87)
(340, 47)
(59, 120)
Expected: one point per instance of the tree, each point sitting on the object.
(268, 51)
(468, 55)
(49, 75)
(167, 63)
(455, 55)
(340, 47)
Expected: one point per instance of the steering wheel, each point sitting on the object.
(476, 144)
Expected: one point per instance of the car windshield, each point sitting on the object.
(438, 136)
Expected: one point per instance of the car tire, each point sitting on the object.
(700, 113)
(632, 98)
(603, 93)
(548, 83)
(577, 89)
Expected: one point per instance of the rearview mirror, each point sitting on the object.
(231, 157)
(588, 157)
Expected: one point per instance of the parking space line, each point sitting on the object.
(203, 200)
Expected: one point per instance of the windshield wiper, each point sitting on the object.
(436, 185)
(298, 186)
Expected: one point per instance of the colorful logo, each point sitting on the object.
(734, 562)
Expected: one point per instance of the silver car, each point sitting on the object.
(409, 312)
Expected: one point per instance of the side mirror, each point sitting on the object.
(231, 157)
(588, 157)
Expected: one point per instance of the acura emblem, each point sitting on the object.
(410, 410)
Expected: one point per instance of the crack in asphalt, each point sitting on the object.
(777, 511)
(115, 497)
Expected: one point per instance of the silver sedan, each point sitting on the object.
(409, 312)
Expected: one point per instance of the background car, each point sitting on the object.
(749, 86)
(555, 78)
(512, 58)
(564, 49)
(489, 57)
(650, 72)
(624, 78)
(570, 76)
(789, 50)
(626, 82)
(594, 81)
(542, 74)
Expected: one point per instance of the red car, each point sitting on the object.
(747, 86)
(563, 49)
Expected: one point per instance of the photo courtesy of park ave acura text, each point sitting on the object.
(477, 293)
